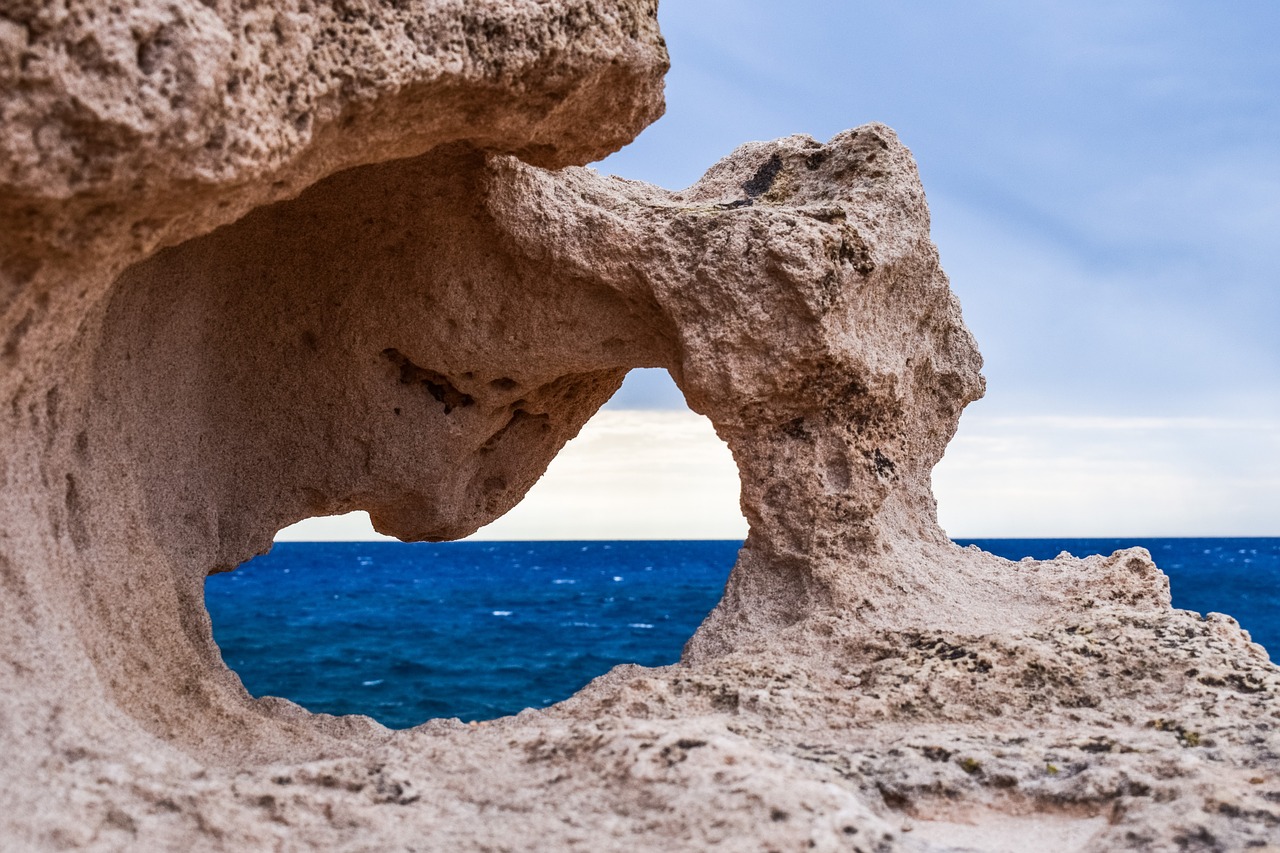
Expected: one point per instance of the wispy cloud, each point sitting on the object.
(628, 475)
(1064, 475)
(665, 475)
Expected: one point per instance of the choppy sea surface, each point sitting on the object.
(476, 630)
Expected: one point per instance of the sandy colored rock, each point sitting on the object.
(263, 263)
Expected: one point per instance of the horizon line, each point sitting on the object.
(392, 539)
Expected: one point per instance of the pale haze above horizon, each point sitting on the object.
(1104, 181)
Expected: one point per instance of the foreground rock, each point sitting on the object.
(349, 280)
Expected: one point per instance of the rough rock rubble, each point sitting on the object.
(259, 263)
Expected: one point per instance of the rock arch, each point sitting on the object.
(419, 338)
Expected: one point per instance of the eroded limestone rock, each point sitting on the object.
(261, 264)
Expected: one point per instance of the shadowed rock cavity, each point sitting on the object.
(374, 296)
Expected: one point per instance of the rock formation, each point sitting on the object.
(259, 263)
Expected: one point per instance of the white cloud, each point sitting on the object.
(1064, 476)
(634, 474)
(630, 474)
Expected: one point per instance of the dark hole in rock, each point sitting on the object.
(439, 386)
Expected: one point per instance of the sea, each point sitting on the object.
(477, 630)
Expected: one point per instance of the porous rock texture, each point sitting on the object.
(260, 262)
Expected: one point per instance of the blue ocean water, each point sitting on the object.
(478, 630)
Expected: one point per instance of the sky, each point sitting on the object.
(1104, 182)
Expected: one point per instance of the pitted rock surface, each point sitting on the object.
(259, 264)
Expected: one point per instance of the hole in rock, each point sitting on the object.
(615, 556)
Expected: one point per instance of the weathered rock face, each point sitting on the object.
(262, 264)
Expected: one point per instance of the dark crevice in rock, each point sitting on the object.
(762, 181)
(439, 386)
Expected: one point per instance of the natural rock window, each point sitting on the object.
(404, 632)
